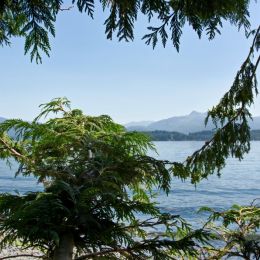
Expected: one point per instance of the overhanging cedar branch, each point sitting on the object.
(240, 111)
(35, 20)
(22, 255)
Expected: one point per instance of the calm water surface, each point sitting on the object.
(239, 183)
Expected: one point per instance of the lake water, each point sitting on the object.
(239, 183)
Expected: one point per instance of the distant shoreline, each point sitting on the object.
(196, 136)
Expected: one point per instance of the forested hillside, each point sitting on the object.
(197, 136)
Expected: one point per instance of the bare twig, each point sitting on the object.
(109, 251)
(12, 150)
(67, 9)
(23, 255)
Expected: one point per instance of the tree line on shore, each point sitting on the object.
(159, 135)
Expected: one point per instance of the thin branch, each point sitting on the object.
(251, 48)
(23, 255)
(143, 246)
(67, 9)
(115, 250)
(256, 65)
(12, 150)
(147, 223)
(208, 143)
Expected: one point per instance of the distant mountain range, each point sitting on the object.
(140, 123)
(194, 122)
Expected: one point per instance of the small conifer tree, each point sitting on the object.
(97, 178)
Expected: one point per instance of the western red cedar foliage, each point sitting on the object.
(35, 20)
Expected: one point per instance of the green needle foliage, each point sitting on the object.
(35, 20)
(97, 178)
(230, 117)
(238, 231)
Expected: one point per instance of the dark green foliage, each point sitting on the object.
(196, 136)
(176, 136)
(97, 178)
(85, 6)
(230, 117)
(201, 136)
(165, 136)
(35, 20)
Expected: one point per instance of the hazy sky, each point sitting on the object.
(128, 81)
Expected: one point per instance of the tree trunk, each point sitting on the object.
(65, 249)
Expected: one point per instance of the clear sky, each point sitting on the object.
(128, 81)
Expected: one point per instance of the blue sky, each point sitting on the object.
(128, 81)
